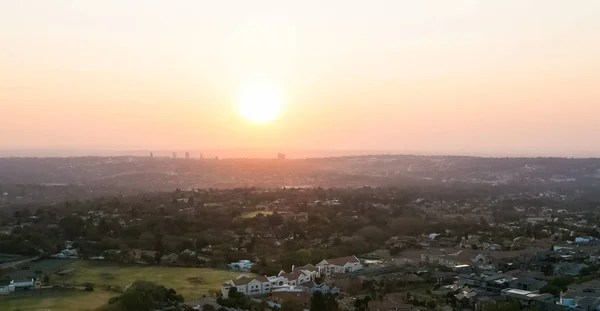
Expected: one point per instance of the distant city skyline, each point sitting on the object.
(493, 78)
(270, 153)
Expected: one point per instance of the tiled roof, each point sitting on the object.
(246, 280)
(308, 267)
(292, 276)
(242, 281)
(588, 303)
(574, 294)
(262, 278)
(342, 260)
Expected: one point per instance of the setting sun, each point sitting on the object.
(259, 103)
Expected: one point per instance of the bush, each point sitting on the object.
(89, 289)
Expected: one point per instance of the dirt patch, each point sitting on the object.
(194, 280)
(107, 276)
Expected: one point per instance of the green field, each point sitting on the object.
(253, 214)
(190, 282)
(73, 301)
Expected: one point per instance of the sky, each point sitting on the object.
(510, 77)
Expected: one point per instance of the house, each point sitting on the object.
(461, 257)
(527, 283)
(490, 282)
(262, 285)
(484, 263)
(432, 256)
(442, 277)
(312, 288)
(465, 294)
(296, 295)
(538, 275)
(450, 260)
(411, 279)
(277, 281)
(26, 283)
(576, 293)
(590, 286)
(500, 260)
(568, 268)
(588, 303)
(242, 265)
(248, 286)
(491, 247)
(390, 302)
(6, 287)
(67, 253)
(526, 297)
(295, 278)
(584, 239)
(310, 270)
(301, 275)
(339, 265)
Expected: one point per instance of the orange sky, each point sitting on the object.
(469, 77)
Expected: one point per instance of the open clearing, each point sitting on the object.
(192, 283)
(253, 214)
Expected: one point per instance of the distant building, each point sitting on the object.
(281, 156)
(174, 155)
(187, 155)
(151, 155)
(6, 287)
(242, 265)
(527, 297)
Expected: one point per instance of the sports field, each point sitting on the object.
(190, 282)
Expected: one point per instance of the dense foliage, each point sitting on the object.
(145, 296)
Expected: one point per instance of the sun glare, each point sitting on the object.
(259, 103)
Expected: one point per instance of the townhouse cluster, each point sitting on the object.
(262, 285)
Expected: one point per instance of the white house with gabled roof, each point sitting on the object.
(339, 265)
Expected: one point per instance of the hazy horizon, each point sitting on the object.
(264, 153)
(501, 78)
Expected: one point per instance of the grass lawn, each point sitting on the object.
(71, 301)
(192, 283)
(253, 214)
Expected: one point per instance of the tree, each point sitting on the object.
(547, 269)
(317, 302)
(331, 303)
(354, 286)
(208, 307)
(72, 226)
(562, 282)
(289, 305)
(551, 289)
(362, 304)
(430, 304)
(233, 293)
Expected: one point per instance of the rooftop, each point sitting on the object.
(342, 260)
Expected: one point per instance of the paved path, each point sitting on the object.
(14, 264)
